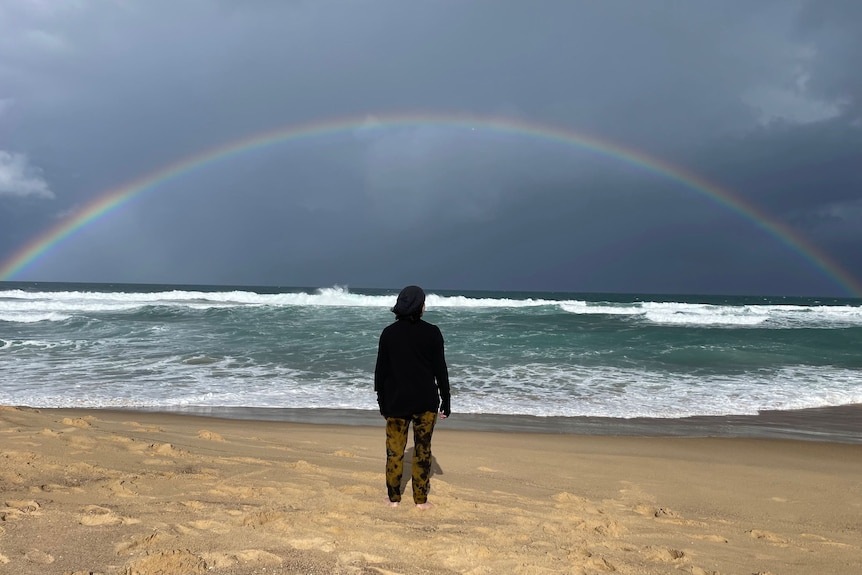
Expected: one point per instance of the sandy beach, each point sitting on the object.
(137, 493)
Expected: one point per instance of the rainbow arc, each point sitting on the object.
(112, 200)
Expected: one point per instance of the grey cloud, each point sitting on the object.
(762, 99)
(19, 178)
(831, 29)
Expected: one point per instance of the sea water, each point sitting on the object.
(528, 354)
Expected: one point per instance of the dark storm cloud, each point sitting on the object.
(832, 32)
(763, 99)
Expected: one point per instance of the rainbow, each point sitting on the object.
(114, 199)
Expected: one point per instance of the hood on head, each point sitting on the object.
(410, 302)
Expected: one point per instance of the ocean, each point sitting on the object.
(539, 361)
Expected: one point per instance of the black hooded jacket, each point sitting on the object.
(411, 375)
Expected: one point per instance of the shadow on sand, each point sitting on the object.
(408, 467)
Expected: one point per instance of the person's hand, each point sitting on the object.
(445, 409)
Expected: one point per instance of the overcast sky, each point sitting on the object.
(761, 97)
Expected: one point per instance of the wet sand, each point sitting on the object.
(841, 424)
(139, 493)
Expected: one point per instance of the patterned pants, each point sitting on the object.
(396, 441)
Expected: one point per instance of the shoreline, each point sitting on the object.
(834, 424)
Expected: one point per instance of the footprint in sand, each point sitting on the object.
(81, 473)
(166, 449)
(600, 564)
(766, 536)
(262, 518)
(230, 491)
(81, 422)
(249, 460)
(715, 538)
(18, 509)
(315, 543)
(211, 435)
(664, 554)
(664, 512)
(130, 443)
(94, 515)
(47, 488)
(210, 525)
(146, 429)
(609, 529)
(39, 557)
(660, 513)
(25, 506)
(193, 505)
(20, 456)
(81, 444)
(122, 488)
(564, 498)
(247, 558)
(127, 547)
(182, 529)
(303, 465)
(175, 561)
(10, 514)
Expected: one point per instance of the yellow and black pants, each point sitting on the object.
(396, 441)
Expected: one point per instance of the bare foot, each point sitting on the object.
(391, 503)
(425, 505)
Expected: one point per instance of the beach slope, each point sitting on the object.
(135, 493)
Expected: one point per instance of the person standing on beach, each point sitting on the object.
(412, 384)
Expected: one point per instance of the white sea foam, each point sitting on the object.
(522, 356)
(26, 307)
(31, 317)
(588, 308)
(14, 300)
(523, 389)
(706, 315)
(541, 390)
(676, 313)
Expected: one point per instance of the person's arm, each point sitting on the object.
(441, 374)
(381, 372)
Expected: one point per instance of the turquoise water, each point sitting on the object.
(539, 354)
